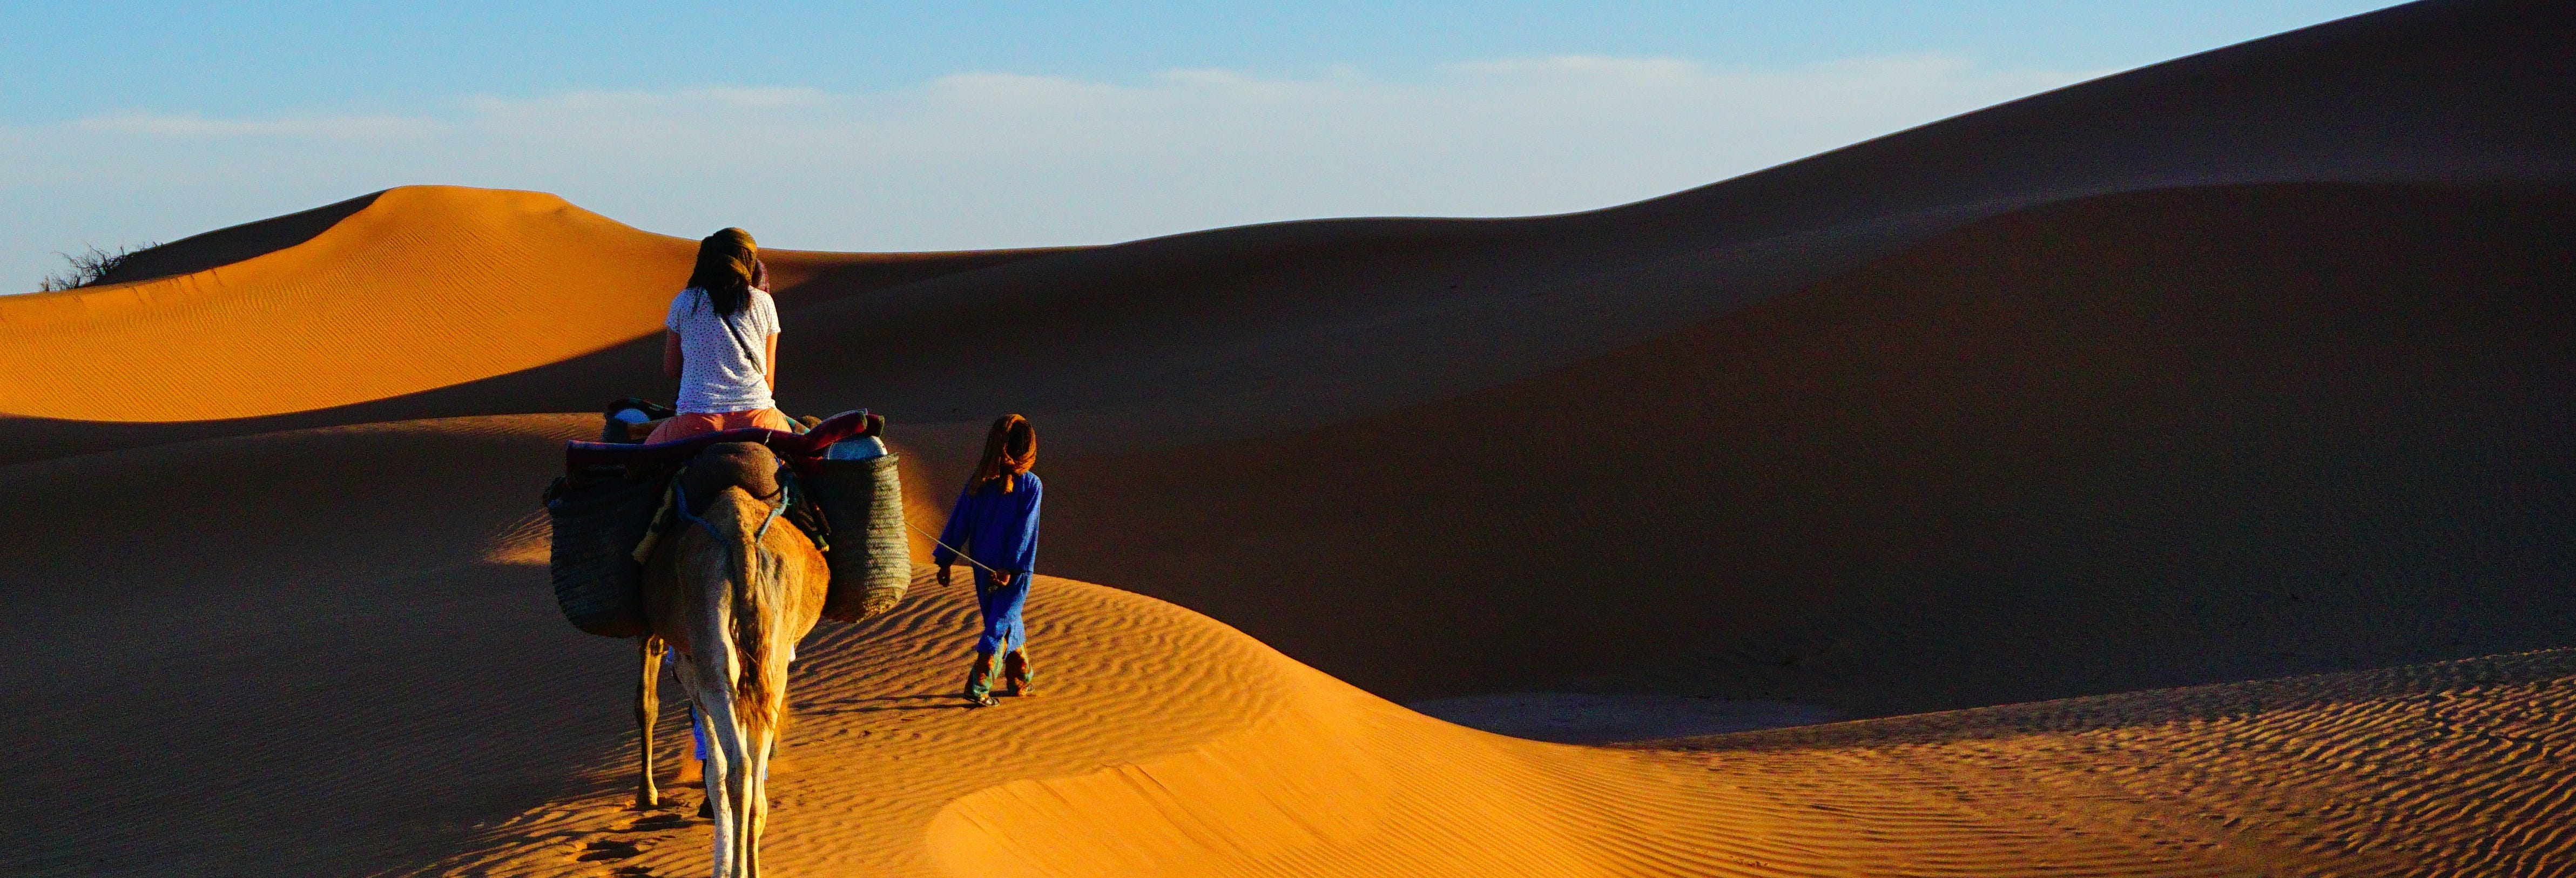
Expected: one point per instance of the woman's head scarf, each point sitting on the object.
(1010, 449)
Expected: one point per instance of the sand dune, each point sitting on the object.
(424, 287)
(424, 710)
(1260, 327)
(2238, 433)
(2248, 367)
(412, 289)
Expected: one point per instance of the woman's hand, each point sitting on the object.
(943, 574)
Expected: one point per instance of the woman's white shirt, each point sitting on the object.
(717, 373)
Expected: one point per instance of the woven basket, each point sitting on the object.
(871, 560)
(598, 517)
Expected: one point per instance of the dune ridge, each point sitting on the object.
(2450, 91)
(2242, 432)
(232, 244)
(424, 287)
(411, 290)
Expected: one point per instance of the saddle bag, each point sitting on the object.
(871, 560)
(599, 515)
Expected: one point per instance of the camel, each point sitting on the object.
(732, 588)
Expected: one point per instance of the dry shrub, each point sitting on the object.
(90, 267)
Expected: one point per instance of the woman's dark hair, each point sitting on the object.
(1010, 449)
(727, 261)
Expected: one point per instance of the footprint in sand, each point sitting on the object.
(609, 849)
(657, 823)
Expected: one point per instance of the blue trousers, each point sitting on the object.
(671, 655)
(1001, 605)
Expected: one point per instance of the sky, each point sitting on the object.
(918, 126)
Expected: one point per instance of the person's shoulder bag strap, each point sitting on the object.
(747, 353)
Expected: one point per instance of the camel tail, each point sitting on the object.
(754, 624)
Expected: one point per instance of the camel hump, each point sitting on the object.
(729, 464)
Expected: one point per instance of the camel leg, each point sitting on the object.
(715, 763)
(760, 740)
(742, 787)
(762, 744)
(648, 708)
(728, 787)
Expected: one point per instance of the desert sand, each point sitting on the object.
(2168, 474)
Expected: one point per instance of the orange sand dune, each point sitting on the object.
(423, 288)
(1264, 326)
(362, 640)
(2248, 366)
(412, 289)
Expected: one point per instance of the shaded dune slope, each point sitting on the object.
(2134, 441)
(1258, 329)
(1247, 328)
(287, 653)
(229, 245)
(1241, 329)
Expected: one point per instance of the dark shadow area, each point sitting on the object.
(2135, 441)
(232, 244)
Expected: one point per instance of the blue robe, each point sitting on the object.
(1000, 530)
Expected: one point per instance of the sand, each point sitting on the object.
(385, 666)
(1611, 717)
(2166, 475)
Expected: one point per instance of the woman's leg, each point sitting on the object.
(988, 646)
(1010, 632)
(698, 732)
(706, 804)
(1001, 607)
(1018, 679)
(685, 425)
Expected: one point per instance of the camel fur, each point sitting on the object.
(733, 599)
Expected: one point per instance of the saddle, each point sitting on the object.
(800, 450)
(617, 498)
(793, 503)
(796, 452)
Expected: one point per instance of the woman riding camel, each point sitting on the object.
(721, 341)
(996, 525)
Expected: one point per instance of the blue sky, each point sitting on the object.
(917, 126)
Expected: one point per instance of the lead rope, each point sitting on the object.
(970, 559)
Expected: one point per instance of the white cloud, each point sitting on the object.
(993, 159)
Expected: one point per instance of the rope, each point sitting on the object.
(953, 550)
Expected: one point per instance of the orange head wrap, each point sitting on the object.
(1009, 450)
